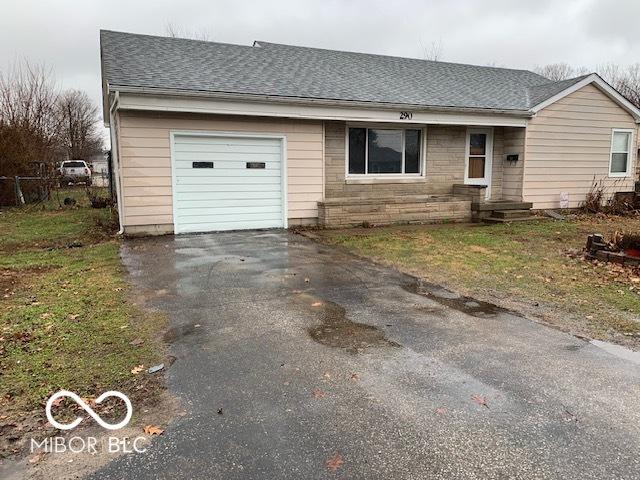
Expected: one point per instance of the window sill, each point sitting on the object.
(372, 179)
(620, 175)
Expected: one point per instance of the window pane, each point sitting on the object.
(476, 167)
(477, 143)
(385, 151)
(621, 142)
(357, 138)
(619, 163)
(412, 151)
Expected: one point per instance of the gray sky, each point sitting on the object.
(511, 33)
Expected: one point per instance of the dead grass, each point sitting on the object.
(534, 267)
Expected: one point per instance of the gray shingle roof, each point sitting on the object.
(143, 61)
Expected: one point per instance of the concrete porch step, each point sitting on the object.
(501, 205)
(511, 213)
(508, 220)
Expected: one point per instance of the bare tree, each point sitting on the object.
(78, 117)
(29, 124)
(556, 71)
(178, 32)
(433, 52)
(624, 79)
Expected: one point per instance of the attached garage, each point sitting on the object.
(228, 182)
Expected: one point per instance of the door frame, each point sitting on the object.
(488, 166)
(208, 133)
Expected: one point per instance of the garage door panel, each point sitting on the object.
(187, 213)
(188, 173)
(228, 149)
(222, 225)
(228, 196)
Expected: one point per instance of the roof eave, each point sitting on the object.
(314, 101)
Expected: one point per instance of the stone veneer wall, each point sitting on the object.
(444, 165)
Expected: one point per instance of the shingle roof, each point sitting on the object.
(143, 61)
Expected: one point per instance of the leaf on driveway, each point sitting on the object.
(480, 400)
(153, 430)
(137, 370)
(441, 410)
(317, 393)
(335, 462)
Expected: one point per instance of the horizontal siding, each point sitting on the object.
(568, 145)
(145, 156)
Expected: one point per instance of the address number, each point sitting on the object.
(406, 115)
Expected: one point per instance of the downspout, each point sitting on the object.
(116, 158)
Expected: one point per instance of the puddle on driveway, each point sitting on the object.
(174, 333)
(468, 305)
(618, 351)
(337, 330)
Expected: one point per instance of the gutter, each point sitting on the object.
(259, 98)
(116, 159)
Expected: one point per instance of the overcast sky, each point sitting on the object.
(509, 33)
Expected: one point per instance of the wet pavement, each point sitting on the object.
(327, 366)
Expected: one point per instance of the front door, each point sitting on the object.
(479, 158)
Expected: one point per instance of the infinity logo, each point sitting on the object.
(88, 409)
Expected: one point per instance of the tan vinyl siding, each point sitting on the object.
(568, 143)
(512, 171)
(145, 158)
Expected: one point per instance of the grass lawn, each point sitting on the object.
(66, 319)
(533, 267)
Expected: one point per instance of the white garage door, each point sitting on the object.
(227, 183)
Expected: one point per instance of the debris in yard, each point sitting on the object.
(316, 304)
(317, 393)
(554, 214)
(480, 400)
(137, 370)
(153, 430)
(220, 411)
(335, 462)
(69, 201)
(441, 410)
(156, 368)
(138, 342)
(355, 377)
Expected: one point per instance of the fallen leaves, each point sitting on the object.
(480, 400)
(317, 393)
(153, 430)
(138, 342)
(136, 370)
(441, 410)
(335, 462)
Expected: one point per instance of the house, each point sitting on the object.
(211, 136)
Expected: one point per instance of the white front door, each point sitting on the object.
(479, 158)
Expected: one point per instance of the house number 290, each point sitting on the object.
(406, 115)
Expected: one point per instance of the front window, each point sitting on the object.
(379, 151)
(620, 149)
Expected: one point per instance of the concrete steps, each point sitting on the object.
(502, 211)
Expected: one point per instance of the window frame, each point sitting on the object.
(386, 176)
(629, 153)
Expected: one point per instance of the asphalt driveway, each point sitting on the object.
(295, 360)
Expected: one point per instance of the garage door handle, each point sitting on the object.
(256, 165)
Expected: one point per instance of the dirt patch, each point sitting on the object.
(468, 305)
(338, 331)
(39, 465)
(12, 278)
